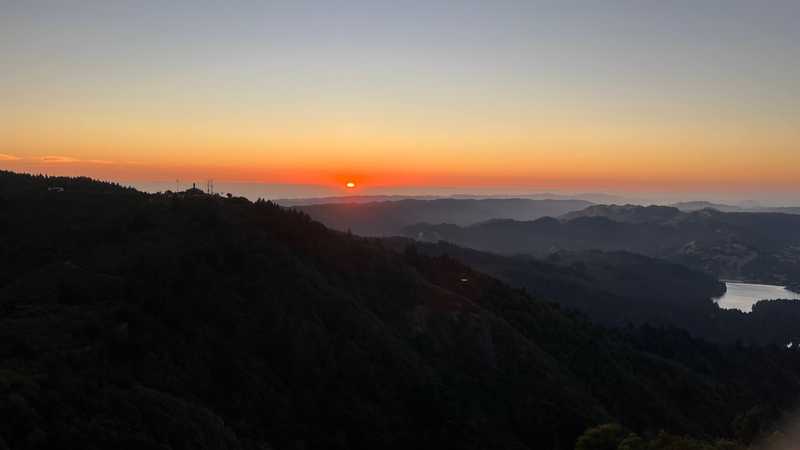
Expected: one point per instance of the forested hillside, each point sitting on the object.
(130, 320)
(619, 288)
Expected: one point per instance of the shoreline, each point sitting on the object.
(756, 283)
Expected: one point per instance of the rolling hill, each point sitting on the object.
(761, 247)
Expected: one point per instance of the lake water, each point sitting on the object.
(743, 296)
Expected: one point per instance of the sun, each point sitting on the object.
(350, 184)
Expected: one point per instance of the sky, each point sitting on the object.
(619, 96)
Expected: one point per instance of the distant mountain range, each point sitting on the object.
(748, 246)
(587, 197)
(387, 218)
(389, 215)
(598, 198)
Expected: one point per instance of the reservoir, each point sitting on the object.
(743, 296)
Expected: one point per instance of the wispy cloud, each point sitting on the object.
(61, 159)
(6, 157)
(58, 159)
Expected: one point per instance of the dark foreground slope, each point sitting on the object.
(150, 321)
(612, 288)
(619, 288)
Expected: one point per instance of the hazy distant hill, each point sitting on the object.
(698, 205)
(785, 210)
(289, 202)
(390, 217)
(753, 246)
(139, 321)
(627, 213)
(591, 197)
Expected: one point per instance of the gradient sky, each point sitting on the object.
(606, 95)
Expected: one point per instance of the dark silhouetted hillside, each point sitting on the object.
(618, 288)
(135, 321)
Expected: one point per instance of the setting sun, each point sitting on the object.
(350, 185)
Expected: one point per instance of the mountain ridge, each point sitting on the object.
(385, 218)
(755, 246)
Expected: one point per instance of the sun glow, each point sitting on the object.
(350, 185)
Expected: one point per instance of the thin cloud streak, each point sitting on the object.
(61, 159)
(58, 159)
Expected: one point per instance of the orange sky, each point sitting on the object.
(658, 97)
(555, 153)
